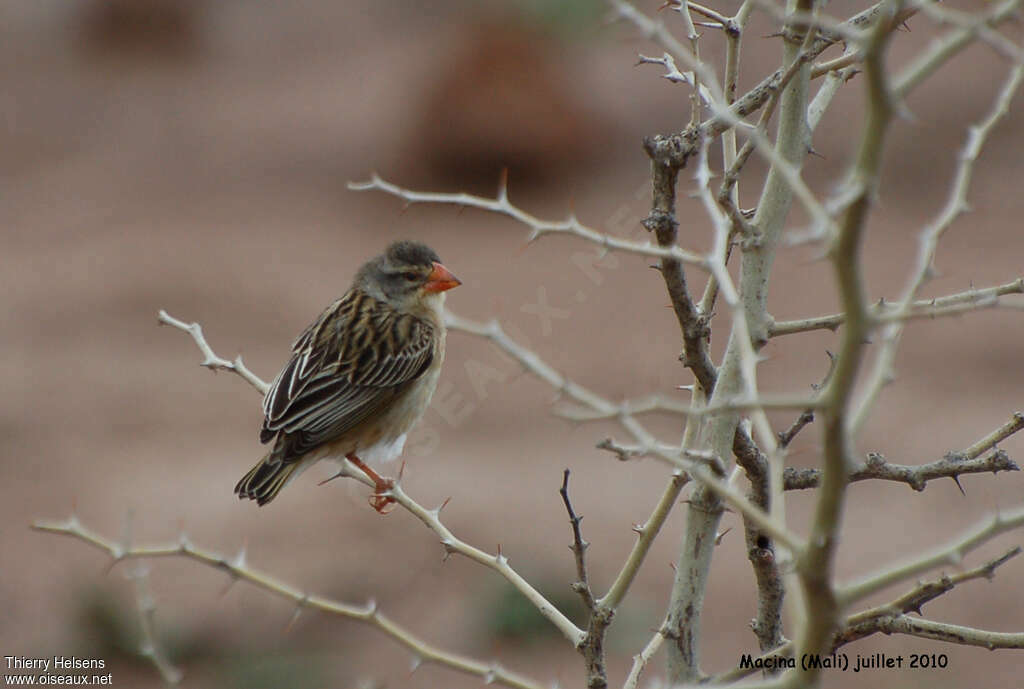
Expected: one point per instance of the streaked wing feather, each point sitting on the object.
(344, 368)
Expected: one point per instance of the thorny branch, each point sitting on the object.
(969, 300)
(677, 148)
(956, 203)
(151, 650)
(950, 554)
(538, 227)
(578, 547)
(431, 518)
(237, 569)
(953, 465)
(211, 360)
(874, 620)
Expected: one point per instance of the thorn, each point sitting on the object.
(719, 537)
(295, 613)
(114, 559)
(444, 504)
(341, 472)
(503, 185)
(227, 587)
(956, 480)
(239, 561)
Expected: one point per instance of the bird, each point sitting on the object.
(360, 376)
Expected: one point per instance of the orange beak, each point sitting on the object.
(440, 279)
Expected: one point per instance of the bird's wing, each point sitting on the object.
(345, 367)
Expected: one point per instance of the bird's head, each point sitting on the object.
(408, 275)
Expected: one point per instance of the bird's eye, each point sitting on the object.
(409, 276)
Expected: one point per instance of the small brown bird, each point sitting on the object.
(360, 376)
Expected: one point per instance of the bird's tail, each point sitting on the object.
(265, 480)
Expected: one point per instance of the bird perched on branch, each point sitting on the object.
(360, 376)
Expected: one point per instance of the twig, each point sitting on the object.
(953, 633)
(641, 659)
(967, 461)
(578, 547)
(679, 147)
(822, 607)
(1000, 434)
(786, 436)
(985, 33)
(673, 74)
(645, 537)
(211, 360)
(941, 50)
(923, 308)
(238, 569)
(864, 623)
(950, 554)
(538, 227)
(150, 649)
(956, 203)
(917, 477)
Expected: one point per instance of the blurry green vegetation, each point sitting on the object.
(509, 617)
(107, 628)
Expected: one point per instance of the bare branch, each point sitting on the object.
(673, 74)
(923, 308)
(953, 465)
(641, 659)
(538, 227)
(211, 360)
(867, 622)
(578, 547)
(950, 554)
(238, 569)
(786, 436)
(983, 30)
(822, 607)
(150, 649)
(498, 562)
(953, 633)
(997, 436)
(646, 534)
(917, 477)
(941, 50)
(956, 203)
(679, 147)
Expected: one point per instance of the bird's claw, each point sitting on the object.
(381, 500)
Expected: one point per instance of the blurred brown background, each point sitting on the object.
(193, 156)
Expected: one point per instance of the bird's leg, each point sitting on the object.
(378, 501)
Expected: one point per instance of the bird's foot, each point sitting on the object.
(381, 500)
